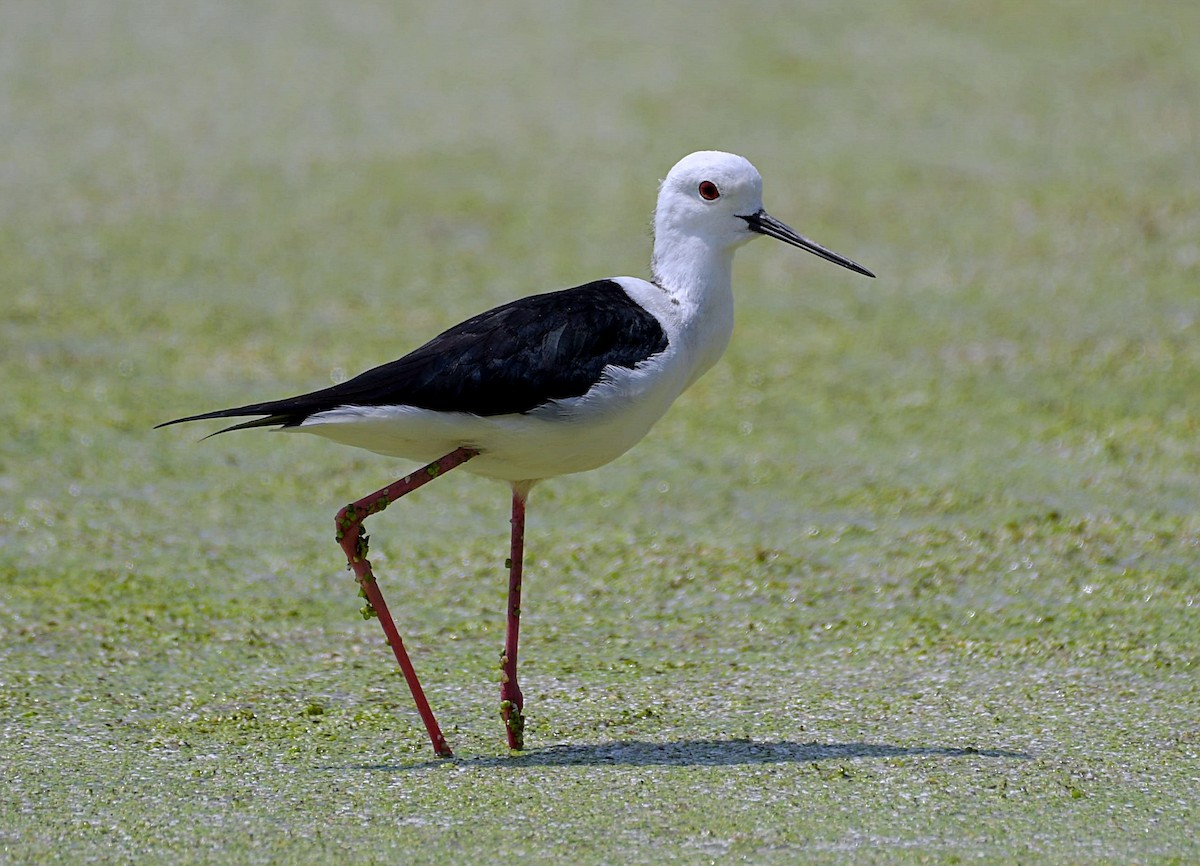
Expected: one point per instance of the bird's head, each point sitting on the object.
(716, 198)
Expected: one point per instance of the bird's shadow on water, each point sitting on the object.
(700, 753)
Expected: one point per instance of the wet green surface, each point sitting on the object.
(910, 577)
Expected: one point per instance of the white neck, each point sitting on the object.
(697, 276)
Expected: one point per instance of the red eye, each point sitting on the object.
(709, 191)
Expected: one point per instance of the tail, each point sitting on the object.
(387, 385)
(280, 413)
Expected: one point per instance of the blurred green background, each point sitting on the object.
(911, 576)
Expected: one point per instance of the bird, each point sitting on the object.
(546, 385)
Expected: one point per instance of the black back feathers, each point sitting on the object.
(510, 359)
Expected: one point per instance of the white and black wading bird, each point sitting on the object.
(549, 384)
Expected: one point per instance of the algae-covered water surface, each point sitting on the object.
(911, 576)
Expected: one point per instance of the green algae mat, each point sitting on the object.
(912, 576)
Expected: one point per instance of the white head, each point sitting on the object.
(715, 199)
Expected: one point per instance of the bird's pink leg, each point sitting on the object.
(511, 701)
(349, 535)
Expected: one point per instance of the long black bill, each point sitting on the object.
(765, 224)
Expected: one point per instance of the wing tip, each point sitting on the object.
(269, 421)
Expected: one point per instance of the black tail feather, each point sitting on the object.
(274, 417)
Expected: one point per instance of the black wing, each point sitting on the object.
(508, 360)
